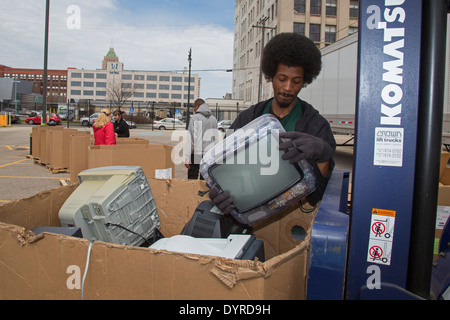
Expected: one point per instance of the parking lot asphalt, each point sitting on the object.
(22, 176)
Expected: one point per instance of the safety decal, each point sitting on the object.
(381, 236)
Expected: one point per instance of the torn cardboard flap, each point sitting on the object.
(51, 266)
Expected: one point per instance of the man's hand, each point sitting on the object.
(221, 200)
(304, 146)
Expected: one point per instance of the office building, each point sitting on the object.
(56, 83)
(113, 83)
(257, 21)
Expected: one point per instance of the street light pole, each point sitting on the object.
(188, 116)
(44, 98)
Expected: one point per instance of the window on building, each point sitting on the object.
(101, 75)
(75, 83)
(88, 92)
(299, 28)
(126, 85)
(100, 93)
(164, 87)
(138, 94)
(314, 32)
(353, 8)
(75, 92)
(331, 7)
(139, 86)
(89, 75)
(152, 78)
(126, 77)
(352, 30)
(316, 7)
(73, 74)
(330, 34)
(101, 84)
(139, 77)
(300, 6)
(150, 95)
(164, 78)
(151, 86)
(177, 79)
(176, 96)
(177, 87)
(164, 96)
(88, 84)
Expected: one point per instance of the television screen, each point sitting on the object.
(244, 180)
(248, 165)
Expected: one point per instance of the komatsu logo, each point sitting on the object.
(394, 42)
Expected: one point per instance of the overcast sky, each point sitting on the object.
(149, 35)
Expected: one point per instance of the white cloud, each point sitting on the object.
(141, 42)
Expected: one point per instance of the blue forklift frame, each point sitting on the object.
(397, 148)
(383, 249)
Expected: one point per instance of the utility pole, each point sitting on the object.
(261, 24)
(44, 98)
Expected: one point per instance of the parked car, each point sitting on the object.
(169, 124)
(53, 119)
(88, 121)
(131, 124)
(224, 125)
(63, 115)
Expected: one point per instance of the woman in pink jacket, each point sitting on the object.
(104, 128)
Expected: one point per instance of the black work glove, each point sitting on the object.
(304, 146)
(221, 200)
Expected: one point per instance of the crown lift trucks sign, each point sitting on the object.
(385, 144)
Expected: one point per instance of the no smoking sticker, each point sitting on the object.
(381, 236)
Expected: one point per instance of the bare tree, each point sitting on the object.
(119, 92)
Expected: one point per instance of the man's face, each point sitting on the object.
(287, 83)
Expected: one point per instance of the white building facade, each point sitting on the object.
(112, 82)
(257, 21)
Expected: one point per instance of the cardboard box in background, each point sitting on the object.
(79, 150)
(78, 154)
(49, 266)
(155, 159)
(443, 209)
(45, 143)
(36, 142)
(59, 147)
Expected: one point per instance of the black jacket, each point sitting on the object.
(122, 129)
(311, 122)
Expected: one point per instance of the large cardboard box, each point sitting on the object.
(443, 209)
(51, 266)
(79, 150)
(59, 148)
(155, 159)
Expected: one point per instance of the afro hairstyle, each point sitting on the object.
(293, 50)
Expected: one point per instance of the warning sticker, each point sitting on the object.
(388, 150)
(381, 236)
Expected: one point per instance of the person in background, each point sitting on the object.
(202, 130)
(104, 129)
(121, 128)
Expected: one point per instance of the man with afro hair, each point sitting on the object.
(291, 61)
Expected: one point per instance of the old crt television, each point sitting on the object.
(248, 165)
(112, 204)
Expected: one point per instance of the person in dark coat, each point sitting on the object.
(290, 61)
(121, 128)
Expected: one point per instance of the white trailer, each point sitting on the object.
(333, 93)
